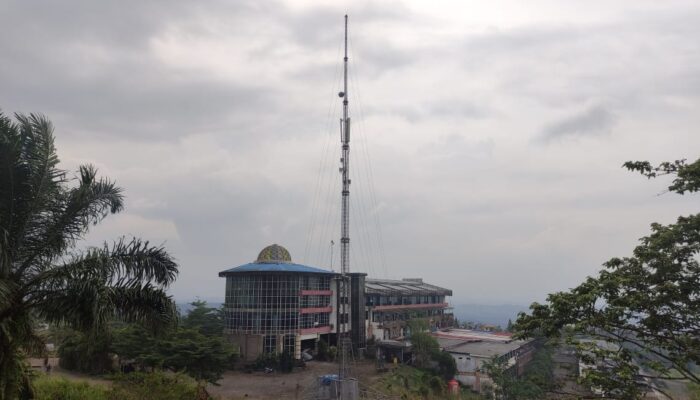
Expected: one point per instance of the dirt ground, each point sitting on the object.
(296, 385)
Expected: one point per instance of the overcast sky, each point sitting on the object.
(487, 145)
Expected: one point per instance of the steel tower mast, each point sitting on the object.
(343, 341)
(345, 167)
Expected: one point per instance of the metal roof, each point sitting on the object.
(403, 287)
(275, 267)
(480, 348)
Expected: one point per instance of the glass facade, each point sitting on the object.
(270, 304)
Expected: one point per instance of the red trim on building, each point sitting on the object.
(316, 292)
(409, 306)
(313, 310)
(318, 329)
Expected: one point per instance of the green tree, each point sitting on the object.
(208, 321)
(640, 314)
(425, 347)
(133, 343)
(78, 352)
(507, 386)
(44, 213)
(535, 383)
(204, 358)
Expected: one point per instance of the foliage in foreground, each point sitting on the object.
(135, 386)
(428, 355)
(641, 314)
(196, 347)
(535, 383)
(53, 388)
(282, 362)
(154, 386)
(411, 383)
(44, 213)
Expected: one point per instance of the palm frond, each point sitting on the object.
(76, 210)
(125, 263)
(90, 306)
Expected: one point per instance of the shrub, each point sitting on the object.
(280, 362)
(153, 386)
(51, 388)
(78, 353)
(323, 351)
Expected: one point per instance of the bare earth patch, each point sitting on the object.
(278, 386)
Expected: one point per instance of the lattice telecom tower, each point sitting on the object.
(344, 343)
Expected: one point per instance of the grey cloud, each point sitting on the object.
(455, 184)
(595, 121)
(444, 108)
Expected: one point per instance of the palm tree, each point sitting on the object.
(44, 276)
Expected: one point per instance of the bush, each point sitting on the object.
(134, 386)
(51, 388)
(153, 386)
(286, 362)
(323, 351)
(446, 365)
(78, 353)
(266, 360)
(279, 362)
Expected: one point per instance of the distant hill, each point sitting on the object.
(488, 314)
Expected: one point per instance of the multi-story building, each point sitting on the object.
(391, 303)
(275, 305)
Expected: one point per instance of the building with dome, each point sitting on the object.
(274, 305)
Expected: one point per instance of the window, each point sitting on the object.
(270, 344)
(289, 343)
(263, 304)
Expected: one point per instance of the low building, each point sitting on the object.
(471, 349)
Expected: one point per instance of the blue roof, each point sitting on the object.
(275, 267)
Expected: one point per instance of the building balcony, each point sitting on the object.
(409, 306)
(316, 329)
(316, 293)
(314, 310)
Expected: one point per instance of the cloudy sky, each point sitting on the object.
(487, 143)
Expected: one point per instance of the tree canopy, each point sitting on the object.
(209, 321)
(196, 347)
(638, 320)
(44, 213)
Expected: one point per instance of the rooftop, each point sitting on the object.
(408, 287)
(477, 343)
(469, 334)
(278, 267)
(274, 258)
(482, 348)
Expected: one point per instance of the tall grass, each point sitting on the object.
(54, 388)
(135, 386)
